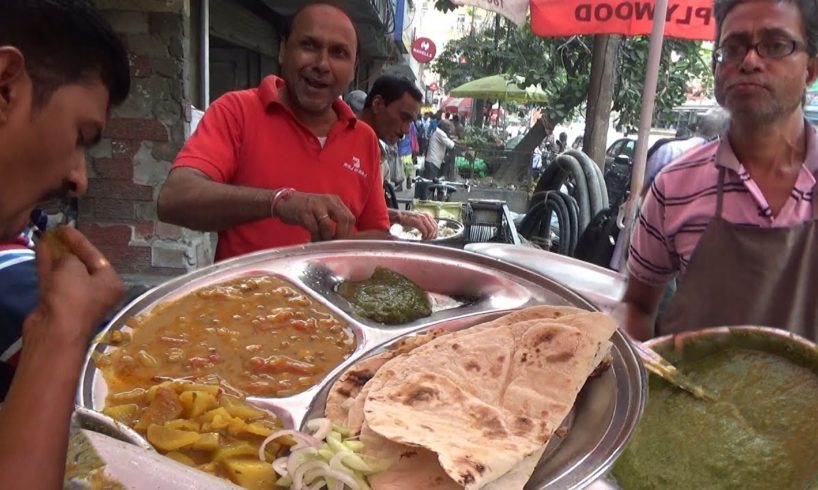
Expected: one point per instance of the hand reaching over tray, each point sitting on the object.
(325, 216)
(419, 221)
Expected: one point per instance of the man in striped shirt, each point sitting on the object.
(61, 68)
(758, 178)
(18, 298)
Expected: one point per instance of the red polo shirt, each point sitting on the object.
(250, 138)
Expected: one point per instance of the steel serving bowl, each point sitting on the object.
(456, 230)
(697, 344)
(767, 339)
(605, 413)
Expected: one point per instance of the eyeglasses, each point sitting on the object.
(735, 52)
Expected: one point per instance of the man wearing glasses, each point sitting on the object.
(735, 219)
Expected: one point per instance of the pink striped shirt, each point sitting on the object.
(682, 202)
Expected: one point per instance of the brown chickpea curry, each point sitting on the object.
(259, 335)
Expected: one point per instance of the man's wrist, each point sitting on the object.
(278, 196)
(65, 355)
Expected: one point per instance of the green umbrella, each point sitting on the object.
(500, 87)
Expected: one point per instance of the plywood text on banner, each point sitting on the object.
(686, 19)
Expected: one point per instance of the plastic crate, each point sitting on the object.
(437, 209)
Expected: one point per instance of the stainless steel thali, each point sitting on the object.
(606, 410)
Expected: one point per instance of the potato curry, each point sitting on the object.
(259, 335)
(180, 375)
(201, 426)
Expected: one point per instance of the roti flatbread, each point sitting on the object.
(418, 468)
(483, 402)
(344, 392)
(472, 408)
(409, 467)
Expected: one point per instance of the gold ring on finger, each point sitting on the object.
(323, 217)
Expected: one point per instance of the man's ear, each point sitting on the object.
(282, 46)
(377, 104)
(12, 69)
(812, 70)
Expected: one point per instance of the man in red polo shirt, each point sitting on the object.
(287, 162)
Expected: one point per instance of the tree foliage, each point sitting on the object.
(445, 5)
(681, 62)
(562, 67)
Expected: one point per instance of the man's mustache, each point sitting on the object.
(63, 192)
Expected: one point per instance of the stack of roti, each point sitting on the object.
(473, 408)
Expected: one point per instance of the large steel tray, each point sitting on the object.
(606, 410)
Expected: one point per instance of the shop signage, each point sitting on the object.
(424, 50)
(686, 19)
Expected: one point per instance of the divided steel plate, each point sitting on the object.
(606, 411)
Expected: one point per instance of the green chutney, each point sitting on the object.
(761, 434)
(387, 297)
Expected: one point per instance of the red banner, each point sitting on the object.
(686, 19)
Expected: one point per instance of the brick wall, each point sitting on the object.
(141, 140)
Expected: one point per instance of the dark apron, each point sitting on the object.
(743, 275)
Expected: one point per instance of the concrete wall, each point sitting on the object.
(141, 140)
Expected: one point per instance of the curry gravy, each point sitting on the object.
(760, 434)
(259, 336)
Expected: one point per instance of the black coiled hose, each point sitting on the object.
(597, 193)
(586, 196)
(536, 226)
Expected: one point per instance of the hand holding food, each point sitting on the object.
(420, 221)
(78, 287)
(325, 216)
(446, 229)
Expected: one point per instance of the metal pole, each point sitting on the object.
(631, 207)
(204, 53)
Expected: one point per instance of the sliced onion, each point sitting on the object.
(296, 458)
(301, 438)
(337, 463)
(298, 475)
(320, 427)
(343, 478)
(280, 465)
(306, 468)
(311, 475)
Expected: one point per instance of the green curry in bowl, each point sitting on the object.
(761, 433)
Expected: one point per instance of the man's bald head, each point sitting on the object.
(288, 28)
